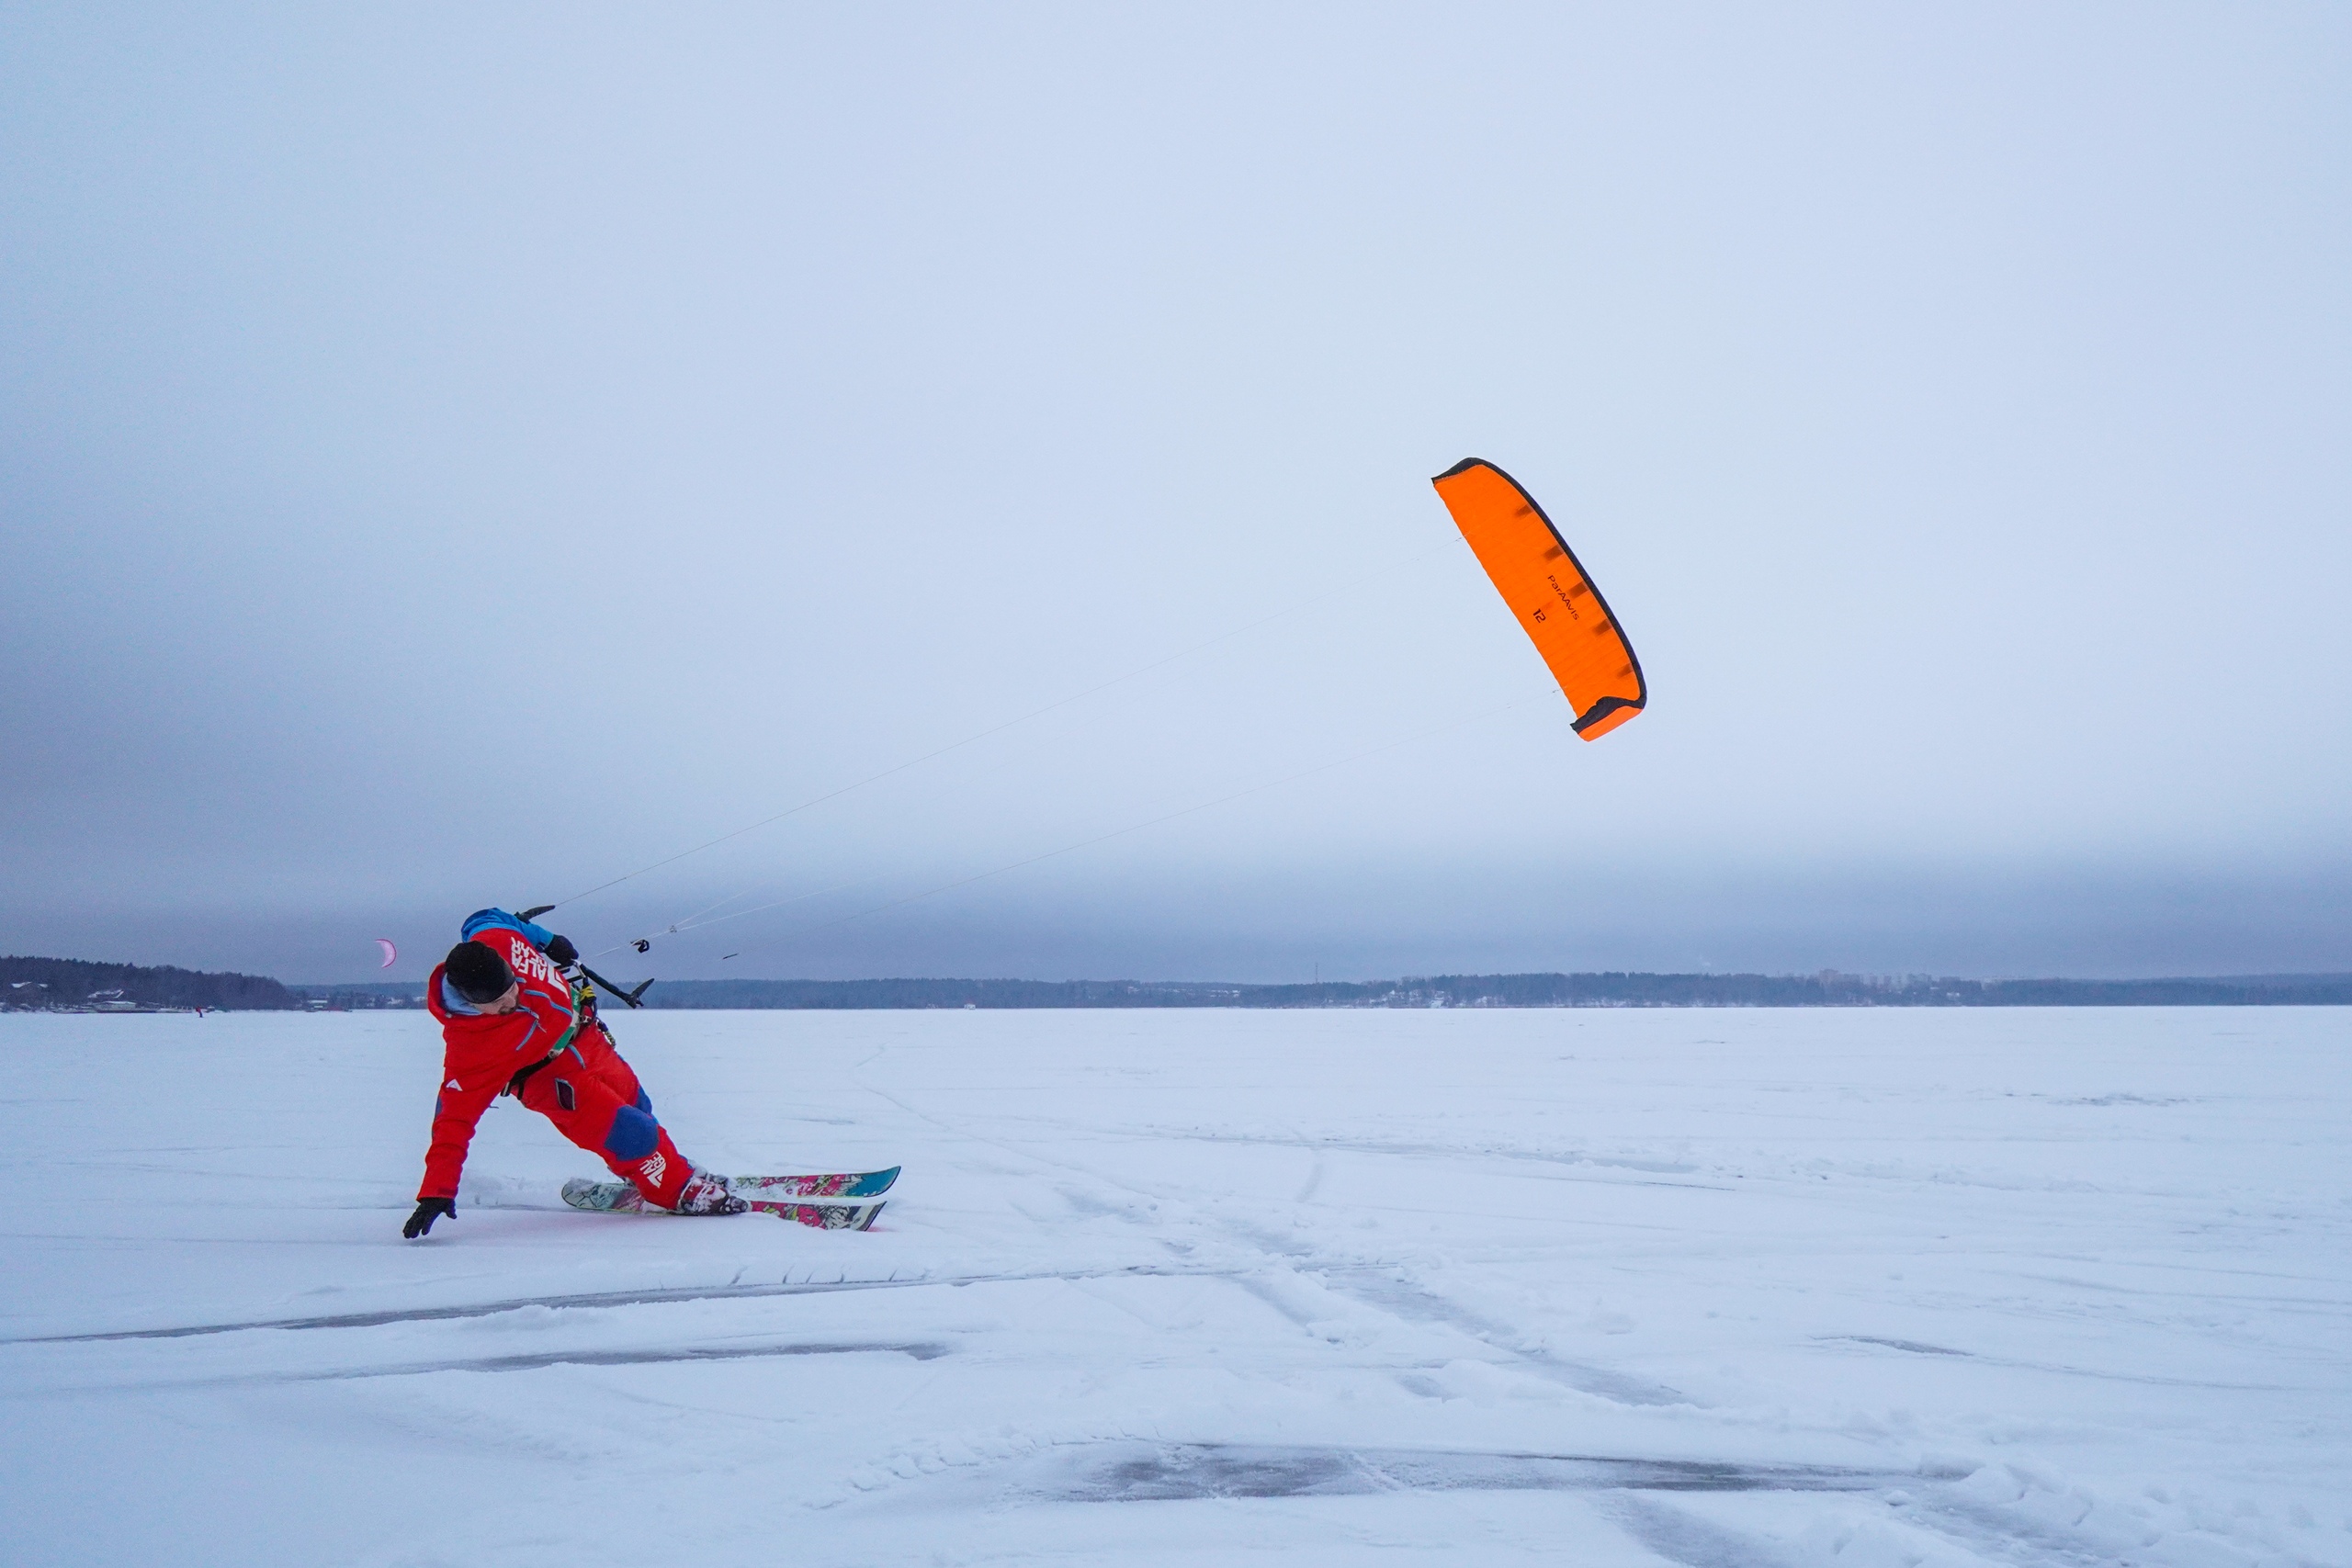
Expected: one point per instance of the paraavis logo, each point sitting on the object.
(1568, 595)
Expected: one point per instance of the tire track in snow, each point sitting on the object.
(920, 1350)
(1931, 1498)
(1655, 1169)
(1913, 1348)
(597, 1299)
(1415, 1304)
(1130, 1472)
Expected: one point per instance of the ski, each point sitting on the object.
(622, 1198)
(823, 1216)
(841, 1184)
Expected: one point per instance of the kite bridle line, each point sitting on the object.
(640, 941)
(696, 923)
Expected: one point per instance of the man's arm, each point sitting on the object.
(465, 1095)
(540, 1024)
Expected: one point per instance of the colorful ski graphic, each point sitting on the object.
(823, 1216)
(769, 1192)
(841, 1184)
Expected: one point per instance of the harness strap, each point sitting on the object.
(514, 1085)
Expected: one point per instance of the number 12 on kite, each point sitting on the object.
(1556, 603)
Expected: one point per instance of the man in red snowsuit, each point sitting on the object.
(509, 1025)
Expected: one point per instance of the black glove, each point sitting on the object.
(563, 952)
(427, 1211)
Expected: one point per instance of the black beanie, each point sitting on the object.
(480, 974)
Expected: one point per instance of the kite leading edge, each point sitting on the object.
(1557, 605)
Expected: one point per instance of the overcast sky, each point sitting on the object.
(456, 455)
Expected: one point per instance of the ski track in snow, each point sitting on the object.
(2030, 1287)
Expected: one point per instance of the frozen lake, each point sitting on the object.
(1866, 1288)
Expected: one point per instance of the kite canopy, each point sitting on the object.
(1556, 603)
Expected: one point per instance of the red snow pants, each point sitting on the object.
(594, 1099)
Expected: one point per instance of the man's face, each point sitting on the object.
(507, 1000)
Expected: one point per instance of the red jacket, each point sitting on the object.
(481, 1051)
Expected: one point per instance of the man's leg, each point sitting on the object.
(605, 1060)
(586, 1107)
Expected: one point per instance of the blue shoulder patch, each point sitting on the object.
(482, 920)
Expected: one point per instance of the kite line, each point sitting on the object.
(1291, 609)
(1086, 843)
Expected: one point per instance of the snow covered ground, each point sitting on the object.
(1697, 1287)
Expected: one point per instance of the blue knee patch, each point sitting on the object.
(634, 1136)
(644, 1100)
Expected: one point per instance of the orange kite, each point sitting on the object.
(1556, 603)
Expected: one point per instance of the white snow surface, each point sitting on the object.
(1712, 1287)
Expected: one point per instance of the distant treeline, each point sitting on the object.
(56, 984)
(59, 984)
(1828, 989)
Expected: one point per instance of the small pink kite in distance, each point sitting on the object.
(390, 953)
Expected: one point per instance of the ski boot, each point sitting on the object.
(707, 1195)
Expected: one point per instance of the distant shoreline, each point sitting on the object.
(1612, 990)
(63, 985)
(1604, 989)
